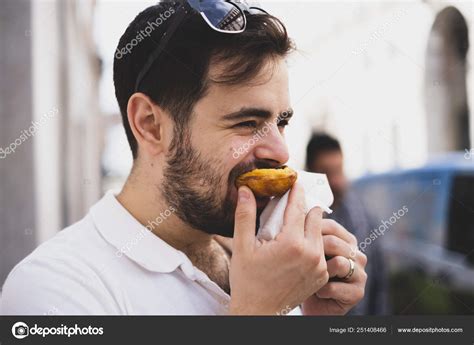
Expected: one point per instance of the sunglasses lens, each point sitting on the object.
(223, 15)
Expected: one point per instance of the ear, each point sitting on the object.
(146, 121)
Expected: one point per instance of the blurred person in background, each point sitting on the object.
(324, 155)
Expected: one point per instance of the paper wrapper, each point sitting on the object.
(317, 193)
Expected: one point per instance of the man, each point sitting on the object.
(324, 155)
(191, 94)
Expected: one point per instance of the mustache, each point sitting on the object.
(243, 168)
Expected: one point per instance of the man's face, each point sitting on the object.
(331, 164)
(233, 129)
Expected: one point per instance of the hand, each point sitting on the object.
(267, 277)
(339, 295)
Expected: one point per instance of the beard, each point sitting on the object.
(198, 188)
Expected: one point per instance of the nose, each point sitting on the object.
(273, 147)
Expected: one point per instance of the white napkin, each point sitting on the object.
(317, 193)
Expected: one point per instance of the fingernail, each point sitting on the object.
(243, 195)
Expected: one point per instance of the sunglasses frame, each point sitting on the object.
(212, 26)
(182, 10)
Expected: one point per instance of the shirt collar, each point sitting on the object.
(132, 239)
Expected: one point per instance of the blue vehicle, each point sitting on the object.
(429, 250)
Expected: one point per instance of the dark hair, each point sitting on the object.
(318, 144)
(179, 77)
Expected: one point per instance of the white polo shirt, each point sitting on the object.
(109, 263)
(84, 269)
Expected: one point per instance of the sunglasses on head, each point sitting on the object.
(222, 16)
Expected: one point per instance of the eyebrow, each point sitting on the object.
(265, 114)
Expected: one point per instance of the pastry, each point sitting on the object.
(268, 182)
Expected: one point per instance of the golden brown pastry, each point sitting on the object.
(268, 182)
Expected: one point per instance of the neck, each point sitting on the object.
(144, 202)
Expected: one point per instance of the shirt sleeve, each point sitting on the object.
(52, 287)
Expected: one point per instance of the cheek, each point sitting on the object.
(240, 148)
(226, 156)
(234, 152)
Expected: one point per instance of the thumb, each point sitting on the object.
(245, 220)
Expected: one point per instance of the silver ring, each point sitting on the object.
(351, 270)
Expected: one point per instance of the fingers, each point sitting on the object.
(245, 221)
(339, 267)
(334, 246)
(348, 294)
(294, 217)
(333, 234)
(225, 242)
(360, 258)
(313, 224)
(331, 227)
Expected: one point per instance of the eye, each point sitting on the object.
(283, 123)
(247, 124)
